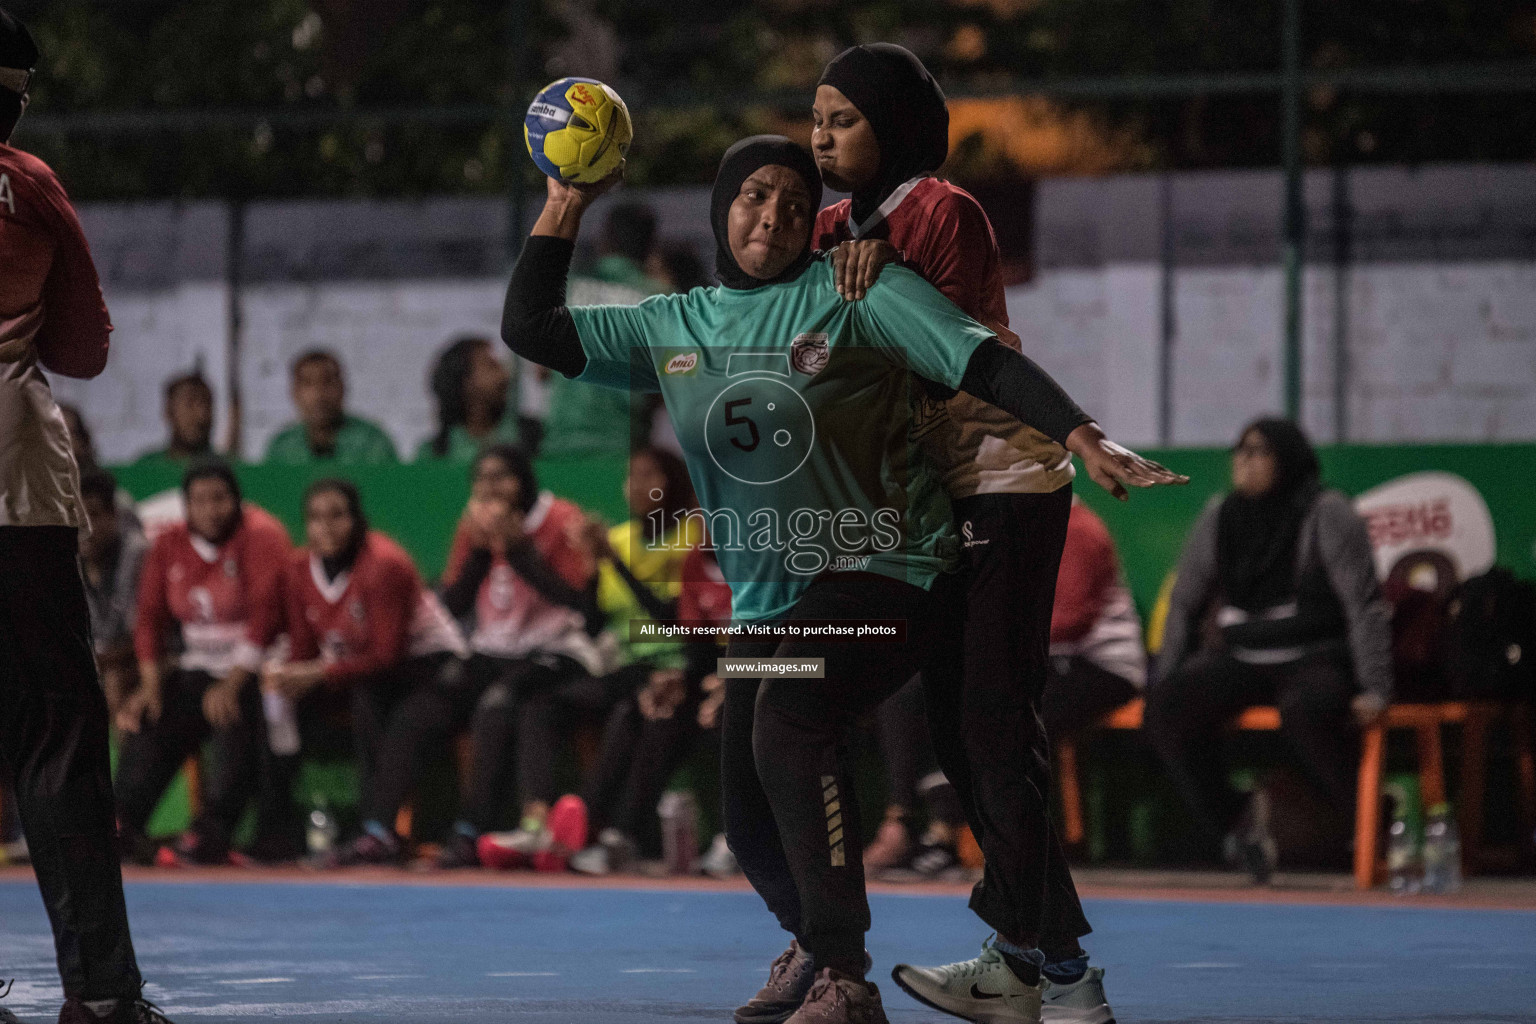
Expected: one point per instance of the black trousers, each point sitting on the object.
(149, 759)
(905, 745)
(547, 707)
(1080, 693)
(480, 695)
(786, 778)
(1185, 713)
(53, 750)
(984, 689)
(377, 703)
(637, 757)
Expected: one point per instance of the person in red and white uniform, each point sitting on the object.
(1098, 657)
(53, 730)
(364, 632)
(517, 572)
(880, 130)
(210, 602)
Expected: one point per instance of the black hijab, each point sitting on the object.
(904, 106)
(347, 556)
(1256, 537)
(738, 164)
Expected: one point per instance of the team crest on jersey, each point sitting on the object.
(231, 569)
(809, 353)
(687, 362)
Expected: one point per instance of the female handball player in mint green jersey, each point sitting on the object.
(794, 409)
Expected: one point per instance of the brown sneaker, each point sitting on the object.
(838, 998)
(789, 979)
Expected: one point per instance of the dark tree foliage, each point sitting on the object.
(308, 79)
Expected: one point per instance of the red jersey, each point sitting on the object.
(368, 618)
(705, 596)
(512, 618)
(51, 316)
(944, 235)
(1094, 616)
(227, 599)
(1088, 571)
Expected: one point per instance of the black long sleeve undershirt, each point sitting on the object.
(1016, 384)
(536, 324)
(459, 597)
(654, 606)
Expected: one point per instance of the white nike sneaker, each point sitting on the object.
(983, 990)
(1081, 1002)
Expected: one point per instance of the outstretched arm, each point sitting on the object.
(1014, 383)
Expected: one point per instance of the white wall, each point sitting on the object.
(1441, 301)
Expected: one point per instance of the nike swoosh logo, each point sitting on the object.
(977, 993)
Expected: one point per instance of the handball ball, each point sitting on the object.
(577, 129)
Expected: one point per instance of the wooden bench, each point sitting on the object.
(1425, 720)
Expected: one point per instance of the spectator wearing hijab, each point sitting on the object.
(1287, 566)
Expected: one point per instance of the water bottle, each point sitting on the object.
(1402, 866)
(1442, 851)
(320, 831)
(679, 813)
(282, 723)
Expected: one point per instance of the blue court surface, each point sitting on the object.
(231, 951)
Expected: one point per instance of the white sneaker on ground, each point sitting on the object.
(719, 861)
(984, 989)
(1081, 1002)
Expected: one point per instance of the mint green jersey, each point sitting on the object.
(794, 408)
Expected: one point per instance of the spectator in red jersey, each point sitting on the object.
(217, 581)
(516, 571)
(53, 730)
(363, 630)
(1098, 659)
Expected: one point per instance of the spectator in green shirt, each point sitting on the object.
(189, 414)
(625, 248)
(324, 432)
(470, 385)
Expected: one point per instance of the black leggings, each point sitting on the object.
(791, 813)
(637, 758)
(53, 749)
(150, 758)
(1079, 694)
(1186, 711)
(984, 688)
(544, 712)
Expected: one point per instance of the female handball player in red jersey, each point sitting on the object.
(53, 731)
(881, 132)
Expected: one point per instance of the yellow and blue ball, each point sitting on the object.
(577, 129)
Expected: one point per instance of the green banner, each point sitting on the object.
(419, 504)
